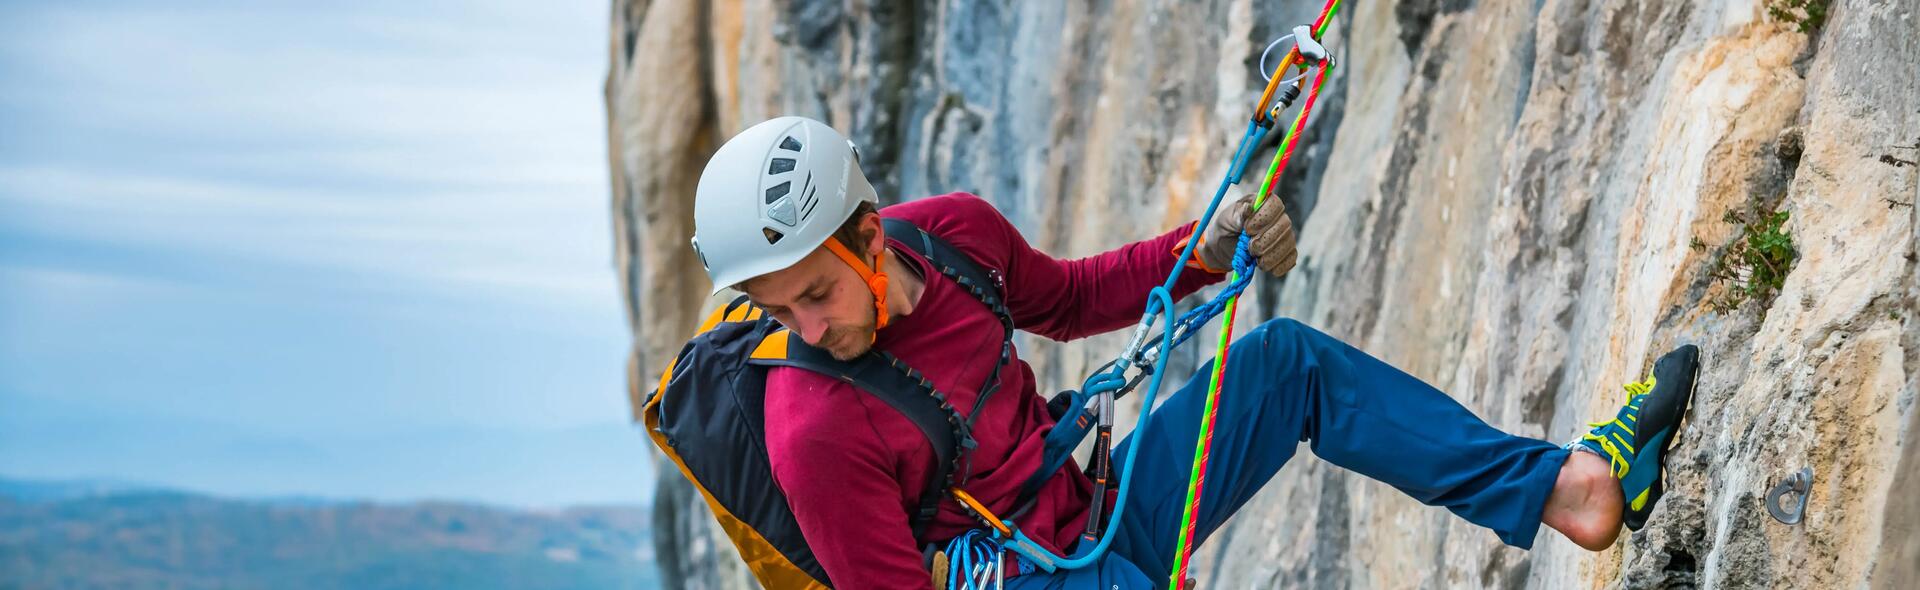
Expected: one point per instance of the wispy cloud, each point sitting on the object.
(75, 282)
(315, 219)
(499, 243)
(422, 144)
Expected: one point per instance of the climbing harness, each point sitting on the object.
(977, 558)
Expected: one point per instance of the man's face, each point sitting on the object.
(822, 300)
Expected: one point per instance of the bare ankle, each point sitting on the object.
(1585, 505)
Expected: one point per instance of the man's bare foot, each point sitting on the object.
(1586, 503)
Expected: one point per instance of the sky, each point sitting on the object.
(344, 249)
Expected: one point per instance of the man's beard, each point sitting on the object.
(848, 342)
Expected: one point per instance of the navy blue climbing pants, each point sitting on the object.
(1285, 384)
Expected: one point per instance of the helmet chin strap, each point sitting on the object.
(875, 277)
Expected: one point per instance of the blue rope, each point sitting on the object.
(1190, 322)
(1241, 155)
(1114, 378)
(1102, 382)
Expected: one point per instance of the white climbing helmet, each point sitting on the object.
(771, 195)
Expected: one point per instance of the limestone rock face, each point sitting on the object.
(1523, 203)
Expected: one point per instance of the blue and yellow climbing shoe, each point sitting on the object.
(1635, 442)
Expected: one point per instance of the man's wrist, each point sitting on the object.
(1197, 261)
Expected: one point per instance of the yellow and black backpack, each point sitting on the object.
(707, 415)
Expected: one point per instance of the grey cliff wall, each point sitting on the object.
(1522, 202)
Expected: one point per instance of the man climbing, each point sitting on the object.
(784, 214)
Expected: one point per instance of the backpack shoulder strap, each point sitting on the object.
(901, 388)
(986, 285)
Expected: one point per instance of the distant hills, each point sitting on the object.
(100, 534)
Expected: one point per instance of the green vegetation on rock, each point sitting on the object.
(1755, 266)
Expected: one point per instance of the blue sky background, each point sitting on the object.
(352, 249)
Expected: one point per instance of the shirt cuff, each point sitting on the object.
(1194, 262)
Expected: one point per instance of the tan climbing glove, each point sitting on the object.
(1271, 231)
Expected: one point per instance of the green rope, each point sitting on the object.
(1202, 447)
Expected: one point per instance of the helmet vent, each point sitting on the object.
(806, 189)
(790, 144)
(780, 166)
(807, 211)
(779, 190)
(773, 237)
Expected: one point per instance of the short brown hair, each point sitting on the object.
(849, 233)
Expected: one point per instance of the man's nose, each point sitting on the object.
(812, 328)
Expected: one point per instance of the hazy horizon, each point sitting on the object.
(32, 490)
(349, 250)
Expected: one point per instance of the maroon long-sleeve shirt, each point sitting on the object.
(853, 468)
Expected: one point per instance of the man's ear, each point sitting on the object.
(876, 234)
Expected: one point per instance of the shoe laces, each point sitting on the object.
(1607, 432)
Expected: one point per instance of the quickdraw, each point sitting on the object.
(974, 567)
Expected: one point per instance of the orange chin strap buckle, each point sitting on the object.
(875, 277)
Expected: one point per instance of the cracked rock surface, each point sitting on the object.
(1523, 203)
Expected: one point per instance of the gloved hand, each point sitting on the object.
(1269, 228)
